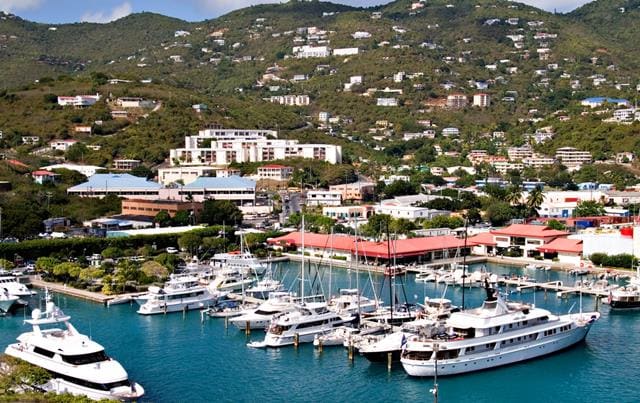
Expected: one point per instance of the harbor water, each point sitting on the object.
(179, 358)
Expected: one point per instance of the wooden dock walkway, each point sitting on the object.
(558, 287)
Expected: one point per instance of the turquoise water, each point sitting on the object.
(180, 359)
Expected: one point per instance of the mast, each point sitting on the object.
(355, 221)
(389, 272)
(330, 260)
(302, 263)
(464, 258)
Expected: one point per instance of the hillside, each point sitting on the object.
(531, 63)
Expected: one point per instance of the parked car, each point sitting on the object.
(172, 250)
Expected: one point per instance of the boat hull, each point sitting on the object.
(493, 359)
(624, 304)
(177, 307)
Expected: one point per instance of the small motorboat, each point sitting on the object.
(119, 300)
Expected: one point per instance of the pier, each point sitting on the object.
(75, 292)
(558, 287)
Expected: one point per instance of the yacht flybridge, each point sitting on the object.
(497, 333)
(180, 293)
(78, 365)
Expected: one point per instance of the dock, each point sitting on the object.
(75, 292)
(558, 287)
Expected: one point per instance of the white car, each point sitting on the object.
(172, 250)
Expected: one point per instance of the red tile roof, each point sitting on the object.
(562, 245)
(399, 248)
(484, 238)
(17, 164)
(43, 173)
(529, 231)
(274, 166)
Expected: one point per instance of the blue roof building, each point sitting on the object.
(241, 191)
(121, 185)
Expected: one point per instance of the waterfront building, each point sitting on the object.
(527, 239)
(348, 213)
(425, 249)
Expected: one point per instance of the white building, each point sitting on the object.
(410, 213)
(225, 147)
(504, 167)
(275, 172)
(345, 51)
(481, 100)
(387, 102)
(86, 170)
(62, 145)
(538, 161)
(324, 198)
(134, 102)
(519, 153)
(573, 158)
(241, 191)
(361, 35)
(184, 174)
(290, 100)
(306, 51)
(78, 100)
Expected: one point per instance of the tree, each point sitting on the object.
(154, 270)
(588, 208)
(6, 264)
(77, 152)
(181, 217)
(142, 171)
(220, 211)
(112, 252)
(535, 200)
(190, 241)
(168, 260)
(377, 225)
(45, 264)
(162, 218)
(399, 188)
(513, 195)
(555, 224)
(499, 213)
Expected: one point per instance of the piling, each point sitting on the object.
(598, 298)
(296, 340)
(184, 312)
(226, 322)
(389, 361)
(320, 345)
(247, 328)
(350, 351)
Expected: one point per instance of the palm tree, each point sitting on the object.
(513, 195)
(535, 200)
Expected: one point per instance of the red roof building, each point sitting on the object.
(423, 249)
(527, 239)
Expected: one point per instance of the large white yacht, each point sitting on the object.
(260, 317)
(7, 301)
(497, 333)
(305, 322)
(14, 287)
(264, 287)
(180, 293)
(78, 364)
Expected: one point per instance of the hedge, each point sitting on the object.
(34, 249)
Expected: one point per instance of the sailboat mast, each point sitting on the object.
(464, 258)
(389, 273)
(330, 260)
(355, 221)
(302, 263)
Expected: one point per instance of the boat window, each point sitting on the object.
(44, 352)
(83, 359)
(94, 385)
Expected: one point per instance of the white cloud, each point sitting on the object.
(100, 17)
(11, 6)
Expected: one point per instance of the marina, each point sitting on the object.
(195, 352)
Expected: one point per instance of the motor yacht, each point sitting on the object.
(180, 293)
(265, 286)
(494, 334)
(231, 280)
(260, 317)
(7, 301)
(303, 323)
(78, 364)
(625, 297)
(14, 287)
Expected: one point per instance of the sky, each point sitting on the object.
(102, 11)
